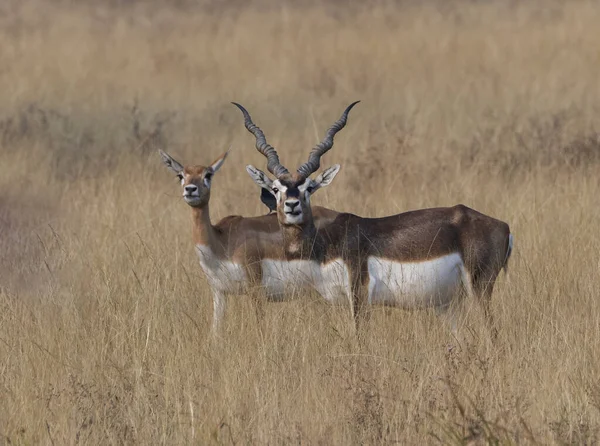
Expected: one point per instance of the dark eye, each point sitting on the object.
(275, 190)
(208, 176)
(180, 176)
(310, 189)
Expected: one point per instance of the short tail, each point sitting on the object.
(508, 253)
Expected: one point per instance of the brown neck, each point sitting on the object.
(203, 231)
(301, 241)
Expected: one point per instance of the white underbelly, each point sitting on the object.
(222, 275)
(284, 279)
(280, 279)
(415, 285)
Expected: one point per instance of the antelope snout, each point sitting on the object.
(292, 206)
(190, 189)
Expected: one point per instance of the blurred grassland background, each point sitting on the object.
(104, 311)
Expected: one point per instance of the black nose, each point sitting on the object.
(292, 204)
(191, 188)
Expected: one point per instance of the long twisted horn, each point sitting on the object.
(273, 164)
(314, 158)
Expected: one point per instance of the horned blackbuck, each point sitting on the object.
(422, 258)
(237, 254)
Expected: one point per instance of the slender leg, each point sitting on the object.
(219, 304)
(360, 313)
(452, 315)
(485, 299)
(255, 291)
(482, 292)
(359, 295)
(258, 301)
(356, 311)
(467, 281)
(454, 312)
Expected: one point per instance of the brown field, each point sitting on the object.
(104, 311)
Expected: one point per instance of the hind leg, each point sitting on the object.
(453, 311)
(481, 290)
(360, 314)
(452, 314)
(484, 297)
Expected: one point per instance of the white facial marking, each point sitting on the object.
(306, 190)
(292, 207)
(191, 194)
(278, 190)
(415, 285)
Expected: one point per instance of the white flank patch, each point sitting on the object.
(223, 275)
(281, 278)
(415, 285)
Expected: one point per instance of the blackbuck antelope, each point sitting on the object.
(237, 254)
(417, 259)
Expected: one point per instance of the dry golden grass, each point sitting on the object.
(104, 312)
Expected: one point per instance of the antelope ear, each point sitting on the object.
(268, 199)
(170, 162)
(327, 176)
(216, 165)
(259, 177)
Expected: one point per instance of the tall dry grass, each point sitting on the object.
(104, 312)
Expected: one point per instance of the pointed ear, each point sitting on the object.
(216, 165)
(259, 177)
(170, 162)
(327, 176)
(268, 199)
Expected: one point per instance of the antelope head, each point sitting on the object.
(195, 180)
(292, 191)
